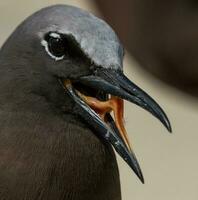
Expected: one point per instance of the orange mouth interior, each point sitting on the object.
(115, 105)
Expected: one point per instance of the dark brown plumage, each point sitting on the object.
(55, 145)
(48, 156)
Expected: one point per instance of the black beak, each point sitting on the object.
(115, 83)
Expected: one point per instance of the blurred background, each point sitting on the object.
(161, 39)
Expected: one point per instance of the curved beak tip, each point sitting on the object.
(140, 176)
(167, 124)
(170, 129)
(142, 180)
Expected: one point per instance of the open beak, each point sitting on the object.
(115, 86)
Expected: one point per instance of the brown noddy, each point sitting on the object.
(61, 108)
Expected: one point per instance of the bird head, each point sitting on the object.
(72, 56)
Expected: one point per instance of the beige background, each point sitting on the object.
(169, 162)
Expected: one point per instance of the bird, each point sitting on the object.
(62, 92)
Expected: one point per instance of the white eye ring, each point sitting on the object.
(44, 43)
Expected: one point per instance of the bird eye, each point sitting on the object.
(54, 45)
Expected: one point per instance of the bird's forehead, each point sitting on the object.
(95, 37)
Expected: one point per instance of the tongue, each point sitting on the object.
(115, 105)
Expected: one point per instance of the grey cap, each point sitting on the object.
(95, 37)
